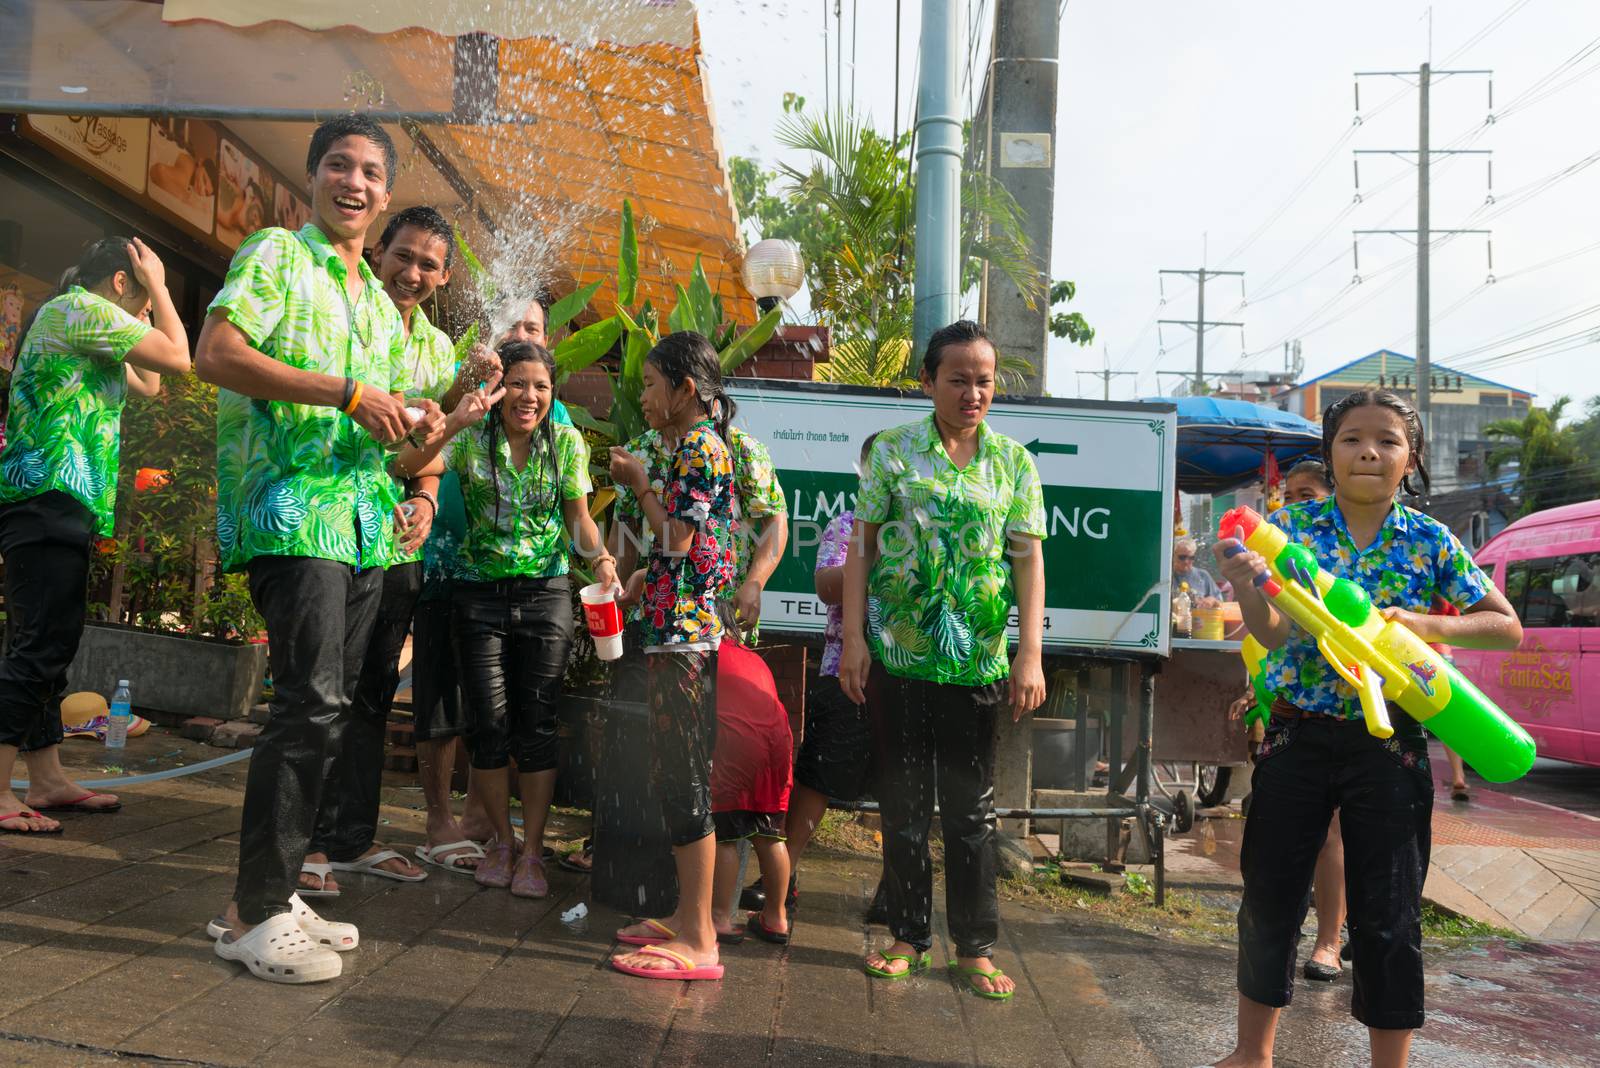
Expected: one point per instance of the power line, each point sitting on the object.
(1493, 25)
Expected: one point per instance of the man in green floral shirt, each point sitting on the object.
(308, 354)
(412, 260)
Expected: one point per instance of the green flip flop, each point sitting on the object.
(917, 964)
(968, 975)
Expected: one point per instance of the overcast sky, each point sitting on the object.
(1185, 129)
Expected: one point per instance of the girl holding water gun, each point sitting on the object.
(1318, 755)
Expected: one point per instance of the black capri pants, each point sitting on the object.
(1307, 766)
(512, 640)
(682, 691)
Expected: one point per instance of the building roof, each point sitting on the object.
(1366, 369)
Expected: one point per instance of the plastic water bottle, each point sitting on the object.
(1183, 610)
(121, 716)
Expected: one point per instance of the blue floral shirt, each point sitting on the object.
(1414, 559)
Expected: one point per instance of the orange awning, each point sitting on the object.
(607, 102)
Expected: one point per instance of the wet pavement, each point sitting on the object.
(102, 958)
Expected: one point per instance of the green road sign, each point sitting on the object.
(1108, 471)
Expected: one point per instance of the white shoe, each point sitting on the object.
(280, 952)
(339, 937)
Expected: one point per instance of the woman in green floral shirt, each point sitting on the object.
(84, 352)
(948, 520)
(525, 482)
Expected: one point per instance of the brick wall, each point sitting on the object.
(788, 665)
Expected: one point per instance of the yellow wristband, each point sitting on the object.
(355, 400)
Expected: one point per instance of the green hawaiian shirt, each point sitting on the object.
(67, 387)
(299, 479)
(940, 592)
(756, 493)
(429, 371)
(514, 523)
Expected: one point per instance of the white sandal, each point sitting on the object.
(369, 866)
(445, 856)
(339, 937)
(321, 872)
(279, 952)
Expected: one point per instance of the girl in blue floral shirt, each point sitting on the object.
(1318, 756)
(691, 559)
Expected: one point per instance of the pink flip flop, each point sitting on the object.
(686, 969)
(663, 934)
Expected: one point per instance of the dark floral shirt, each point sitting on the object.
(679, 606)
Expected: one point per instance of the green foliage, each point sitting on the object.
(1069, 325)
(568, 307)
(1138, 885)
(1554, 464)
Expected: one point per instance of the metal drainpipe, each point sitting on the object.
(937, 288)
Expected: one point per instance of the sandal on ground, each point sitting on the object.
(686, 968)
(529, 879)
(78, 804)
(663, 934)
(970, 977)
(27, 814)
(280, 952)
(579, 860)
(917, 963)
(731, 938)
(1457, 793)
(369, 866)
(339, 937)
(321, 873)
(495, 868)
(758, 927)
(450, 855)
(1320, 972)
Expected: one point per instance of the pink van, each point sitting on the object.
(1548, 566)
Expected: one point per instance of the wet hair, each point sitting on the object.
(352, 125)
(960, 332)
(1315, 468)
(686, 355)
(543, 450)
(1333, 418)
(423, 218)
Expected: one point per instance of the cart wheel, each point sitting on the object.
(1182, 811)
(1211, 784)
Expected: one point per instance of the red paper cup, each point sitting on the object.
(603, 616)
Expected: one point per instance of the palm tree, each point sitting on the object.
(861, 280)
(1552, 466)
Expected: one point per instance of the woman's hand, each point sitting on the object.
(1027, 684)
(148, 270)
(747, 603)
(855, 661)
(474, 405)
(1420, 625)
(482, 364)
(605, 573)
(412, 529)
(633, 592)
(1239, 565)
(626, 470)
(430, 429)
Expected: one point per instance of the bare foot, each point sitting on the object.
(66, 792)
(653, 962)
(309, 881)
(881, 962)
(396, 865)
(1326, 955)
(1239, 1060)
(17, 823)
(651, 928)
(995, 984)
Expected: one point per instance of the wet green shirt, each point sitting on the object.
(940, 592)
(299, 479)
(67, 389)
(514, 523)
(430, 370)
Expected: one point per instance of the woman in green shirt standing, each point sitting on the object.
(525, 482)
(948, 522)
(111, 331)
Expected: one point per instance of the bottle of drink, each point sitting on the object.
(1183, 610)
(121, 716)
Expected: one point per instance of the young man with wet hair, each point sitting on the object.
(307, 352)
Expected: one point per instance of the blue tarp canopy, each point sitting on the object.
(1222, 443)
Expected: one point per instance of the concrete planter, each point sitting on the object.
(169, 673)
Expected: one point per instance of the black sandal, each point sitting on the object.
(756, 926)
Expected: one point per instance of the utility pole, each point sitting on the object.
(1424, 233)
(1107, 374)
(1199, 324)
(937, 286)
(1018, 122)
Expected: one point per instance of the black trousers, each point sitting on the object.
(347, 818)
(436, 711)
(937, 740)
(319, 617)
(1308, 766)
(682, 692)
(45, 541)
(512, 641)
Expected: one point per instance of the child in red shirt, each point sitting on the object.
(751, 773)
